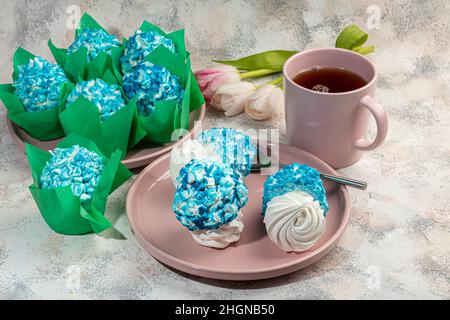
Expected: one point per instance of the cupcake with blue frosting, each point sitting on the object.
(208, 201)
(38, 84)
(151, 83)
(106, 97)
(95, 41)
(140, 45)
(76, 167)
(234, 147)
(294, 207)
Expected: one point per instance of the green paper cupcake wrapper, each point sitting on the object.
(61, 209)
(176, 36)
(41, 125)
(169, 115)
(83, 118)
(75, 64)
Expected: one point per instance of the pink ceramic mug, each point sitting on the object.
(332, 126)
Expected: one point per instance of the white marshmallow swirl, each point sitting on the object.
(294, 221)
(222, 237)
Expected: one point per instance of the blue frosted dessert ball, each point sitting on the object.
(106, 97)
(76, 167)
(140, 45)
(95, 41)
(38, 84)
(208, 195)
(151, 83)
(234, 147)
(295, 177)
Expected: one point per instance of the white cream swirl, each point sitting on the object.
(294, 221)
(185, 152)
(222, 237)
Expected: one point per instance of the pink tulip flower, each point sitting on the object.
(209, 80)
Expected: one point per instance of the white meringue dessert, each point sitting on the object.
(294, 221)
(222, 237)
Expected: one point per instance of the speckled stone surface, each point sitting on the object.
(397, 244)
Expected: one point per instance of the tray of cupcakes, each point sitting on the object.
(130, 95)
(216, 219)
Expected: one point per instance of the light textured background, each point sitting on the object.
(399, 231)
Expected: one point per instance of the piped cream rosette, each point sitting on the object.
(294, 207)
(222, 237)
(294, 221)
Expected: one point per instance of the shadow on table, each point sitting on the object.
(115, 209)
(309, 272)
(335, 261)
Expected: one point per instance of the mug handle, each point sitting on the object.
(381, 120)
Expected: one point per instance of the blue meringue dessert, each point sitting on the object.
(151, 83)
(234, 147)
(106, 97)
(208, 201)
(77, 167)
(294, 207)
(38, 84)
(140, 45)
(190, 149)
(95, 41)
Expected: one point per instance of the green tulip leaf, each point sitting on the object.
(273, 60)
(353, 37)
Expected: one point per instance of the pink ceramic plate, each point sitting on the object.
(254, 257)
(135, 158)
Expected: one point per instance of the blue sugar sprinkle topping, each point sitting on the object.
(106, 97)
(295, 177)
(208, 195)
(95, 41)
(151, 83)
(140, 45)
(76, 167)
(235, 148)
(38, 84)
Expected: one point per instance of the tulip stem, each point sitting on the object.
(257, 73)
(276, 81)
